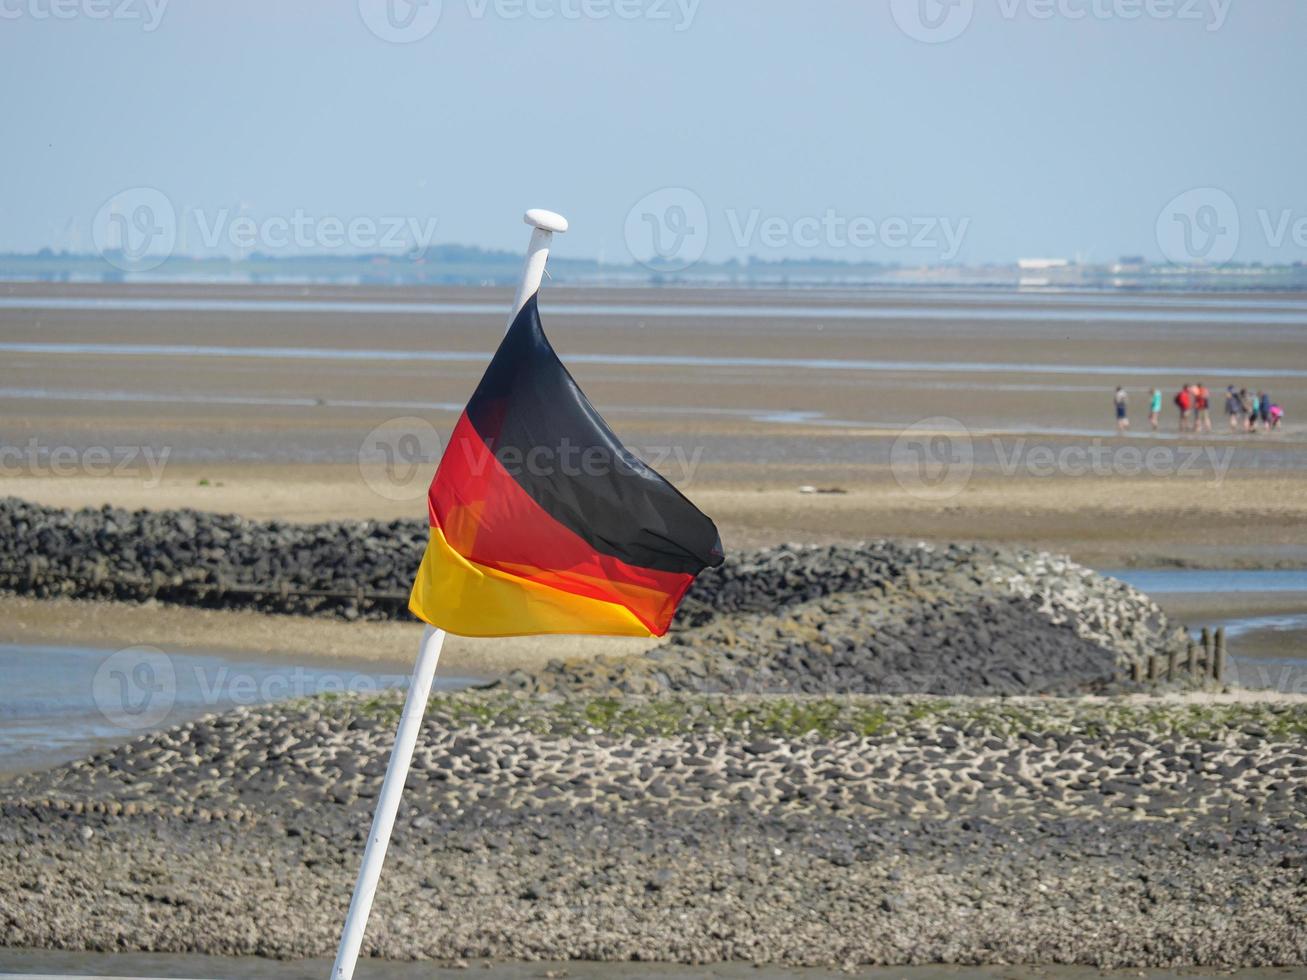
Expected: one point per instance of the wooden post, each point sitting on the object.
(1152, 668)
(1208, 649)
(1136, 671)
(1218, 661)
(1172, 659)
(1192, 660)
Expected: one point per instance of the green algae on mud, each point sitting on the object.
(794, 716)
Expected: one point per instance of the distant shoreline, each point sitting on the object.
(468, 266)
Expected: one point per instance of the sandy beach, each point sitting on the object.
(213, 379)
(270, 410)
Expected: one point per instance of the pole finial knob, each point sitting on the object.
(545, 220)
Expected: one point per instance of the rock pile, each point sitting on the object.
(881, 617)
(340, 568)
(892, 618)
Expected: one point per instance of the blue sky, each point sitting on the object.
(1044, 127)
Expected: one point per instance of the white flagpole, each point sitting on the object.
(544, 224)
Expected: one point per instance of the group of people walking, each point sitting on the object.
(1244, 411)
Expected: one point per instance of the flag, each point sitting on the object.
(542, 521)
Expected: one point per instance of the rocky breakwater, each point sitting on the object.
(885, 617)
(879, 617)
(687, 827)
(349, 569)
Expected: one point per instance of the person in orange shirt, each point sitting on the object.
(1184, 402)
(1202, 417)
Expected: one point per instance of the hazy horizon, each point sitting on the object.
(914, 132)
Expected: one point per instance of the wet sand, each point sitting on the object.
(1019, 373)
(294, 639)
(296, 437)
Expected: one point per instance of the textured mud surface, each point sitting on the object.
(696, 828)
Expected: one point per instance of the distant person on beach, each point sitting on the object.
(1202, 417)
(1155, 408)
(1264, 409)
(1277, 413)
(1122, 419)
(1233, 408)
(1247, 410)
(1184, 402)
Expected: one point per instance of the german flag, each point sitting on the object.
(543, 522)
